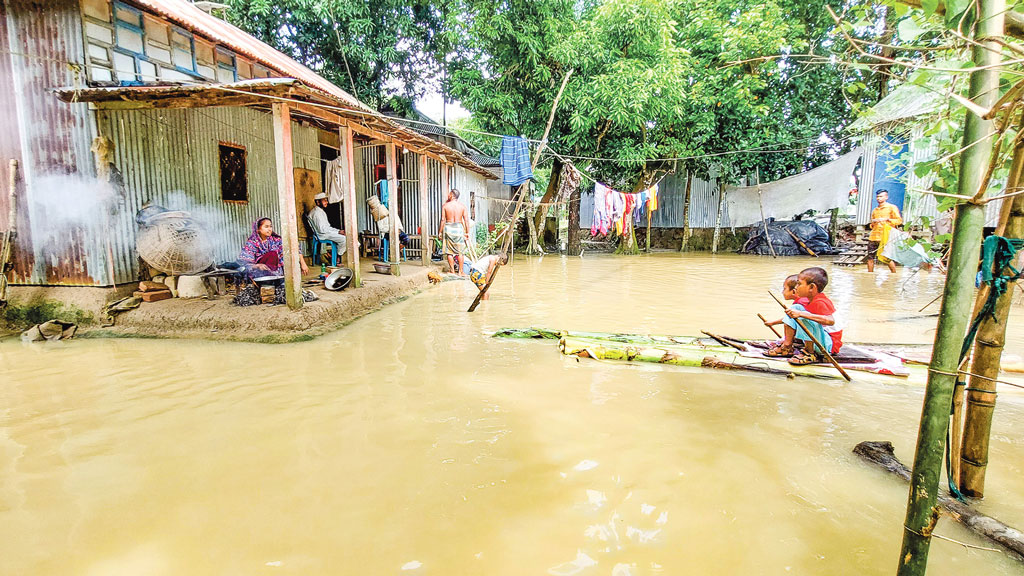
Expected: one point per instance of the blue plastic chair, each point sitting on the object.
(385, 250)
(318, 246)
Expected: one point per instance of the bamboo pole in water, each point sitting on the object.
(957, 294)
(760, 203)
(718, 220)
(988, 349)
(519, 203)
(686, 211)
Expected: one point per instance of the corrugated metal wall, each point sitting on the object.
(50, 138)
(472, 187)
(368, 157)
(171, 157)
(916, 203)
(704, 196)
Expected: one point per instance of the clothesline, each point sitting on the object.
(536, 204)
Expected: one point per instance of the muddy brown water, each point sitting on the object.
(412, 443)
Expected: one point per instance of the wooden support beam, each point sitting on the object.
(351, 210)
(394, 244)
(286, 201)
(424, 211)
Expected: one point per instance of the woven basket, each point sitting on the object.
(376, 208)
(174, 243)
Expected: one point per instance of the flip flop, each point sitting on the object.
(805, 358)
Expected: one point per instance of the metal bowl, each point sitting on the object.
(339, 279)
(381, 268)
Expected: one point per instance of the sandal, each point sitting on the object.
(805, 358)
(780, 351)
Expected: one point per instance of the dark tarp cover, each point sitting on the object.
(813, 235)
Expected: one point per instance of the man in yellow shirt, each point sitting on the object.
(885, 215)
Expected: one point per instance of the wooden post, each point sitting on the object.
(424, 190)
(718, 219)
(957, 295)
(394, 245)
(760, 203)
(286, 202)
(352, 211)
(686, 211)
(988, 349)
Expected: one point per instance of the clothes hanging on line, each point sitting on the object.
(568, 182)
(602, 218)
(515, 160)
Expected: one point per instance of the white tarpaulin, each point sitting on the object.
(824, 188)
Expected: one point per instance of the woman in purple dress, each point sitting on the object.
(263, 252)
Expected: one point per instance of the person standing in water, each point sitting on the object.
(454, 230)
(885, 215)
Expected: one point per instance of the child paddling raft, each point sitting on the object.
(818, 317)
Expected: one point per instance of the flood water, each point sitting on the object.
(412, 443)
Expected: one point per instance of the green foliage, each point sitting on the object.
(661, 79)
(384, 51)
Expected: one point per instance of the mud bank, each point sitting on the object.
(219, 319)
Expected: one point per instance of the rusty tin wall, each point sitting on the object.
(51, 138)
(171, 157)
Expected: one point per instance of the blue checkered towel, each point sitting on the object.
(515, 160)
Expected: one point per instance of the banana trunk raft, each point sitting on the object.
(722, 353)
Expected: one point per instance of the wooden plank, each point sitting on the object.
(394, 245)
(307, 185)
(286, 202)
(351, 211)
(424, 211)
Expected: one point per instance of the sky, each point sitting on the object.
(431, 105)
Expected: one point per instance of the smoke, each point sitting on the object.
(71, 200)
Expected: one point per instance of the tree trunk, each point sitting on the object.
(718, 219)
(988, 349)
(881, 454)
(575, 247)
(686, 211)
(549, 194)
(956, 300)
(833, 226)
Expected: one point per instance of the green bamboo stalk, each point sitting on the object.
(988, 349)
(956, 300)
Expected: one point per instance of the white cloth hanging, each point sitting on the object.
(337, 180)
(821, 189)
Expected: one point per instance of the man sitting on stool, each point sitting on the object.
(322, 227)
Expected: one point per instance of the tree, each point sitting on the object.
(384, 52)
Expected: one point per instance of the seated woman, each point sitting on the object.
(263, 252)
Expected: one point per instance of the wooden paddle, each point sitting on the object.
(723, 340)
(827, 354)
(772, 328)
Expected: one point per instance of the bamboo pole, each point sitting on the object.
(394, 244)
(522, 190)
(827, 353)
(760, 203)
(686, 211)
(351, 211)
(7, 239)
(286, 203)
(988, 349)
(957, 295)
(772, 328)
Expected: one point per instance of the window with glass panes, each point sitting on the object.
(130, 60)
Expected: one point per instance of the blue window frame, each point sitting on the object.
(226, 62)
(130, 37)
(182, 41)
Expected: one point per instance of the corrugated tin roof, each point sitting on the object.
(186, 15)
(906, 101)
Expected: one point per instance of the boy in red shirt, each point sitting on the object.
(818, 316)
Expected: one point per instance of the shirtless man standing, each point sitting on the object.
(454, 230)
